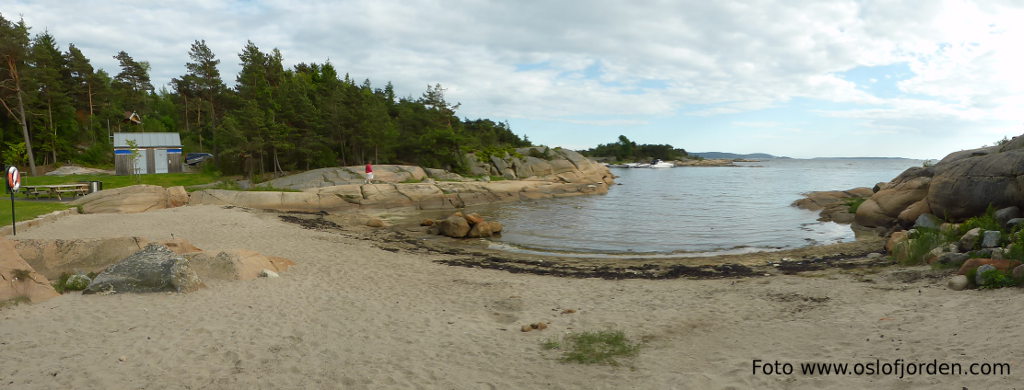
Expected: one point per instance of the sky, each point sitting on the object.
(917, 79)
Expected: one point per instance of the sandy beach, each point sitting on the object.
(351, 315)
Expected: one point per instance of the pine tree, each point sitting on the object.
(14, 45)
(132, 83)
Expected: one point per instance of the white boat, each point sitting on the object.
(660, 164)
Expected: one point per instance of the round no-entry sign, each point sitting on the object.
(13, 179)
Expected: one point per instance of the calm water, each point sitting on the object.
(680, 211)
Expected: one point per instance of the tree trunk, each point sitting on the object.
(53, 142)
(21, 115)
(277, 164)
(92, 131)
(187, 130)
(199, 123)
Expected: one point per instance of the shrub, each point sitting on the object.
(853, 204)
(73, 282)
(994, 278)
(546, 154)
(915, 250)
(985, 221)
(601, 347)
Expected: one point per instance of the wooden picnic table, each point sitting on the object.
(56, 190)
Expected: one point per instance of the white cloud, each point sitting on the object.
(724, 57)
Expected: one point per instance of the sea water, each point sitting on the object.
(691, 210)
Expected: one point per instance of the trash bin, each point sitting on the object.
(95, 185)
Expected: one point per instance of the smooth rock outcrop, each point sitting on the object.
(238, 264)
(885, 206)
(962, 185)
(53, 257)
(153, 269)
(355, 174)
(132, 199)
(18, 280)
(832, 204)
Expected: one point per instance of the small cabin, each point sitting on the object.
(157, 153)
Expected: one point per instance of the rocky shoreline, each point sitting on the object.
(410, 237)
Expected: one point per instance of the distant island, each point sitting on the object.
(719, 155)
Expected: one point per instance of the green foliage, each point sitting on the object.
(111, 181)
(484, 154)
(66, 283)
(985, 221)
(915, 250)
(853, 204)
(274, 119)
(995, 278)
(15, 154)
(626, 150)
(546, 154)
(26, 210)
(1016, 247)
(96, 155)
(602, 347)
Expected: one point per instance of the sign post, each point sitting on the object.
(13, 184)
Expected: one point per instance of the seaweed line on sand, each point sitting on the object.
(397, 239)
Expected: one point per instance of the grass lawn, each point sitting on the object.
(25, 210)
(112, 181)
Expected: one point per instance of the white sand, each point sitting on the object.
(350, 315)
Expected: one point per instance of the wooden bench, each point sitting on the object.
(56, 190)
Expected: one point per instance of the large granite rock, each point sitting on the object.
(454, 226)
(335, 176)
(833, 205)
(238, 264)
(966, 183)
(18, 280)
(558, 172)
(152, 269)
(132, 199)
(421, 196)
(1007, 214)
(885, 206)
(53, 257)
(962, 185)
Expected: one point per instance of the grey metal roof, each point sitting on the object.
(147, 140)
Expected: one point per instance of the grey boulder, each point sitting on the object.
(153, 269)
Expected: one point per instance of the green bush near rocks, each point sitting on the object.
(73, 282)
(853, 204)
(994, 278)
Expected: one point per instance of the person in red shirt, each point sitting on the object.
(369, 173)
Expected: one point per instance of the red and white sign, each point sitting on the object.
(13, 179)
